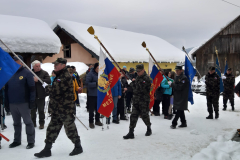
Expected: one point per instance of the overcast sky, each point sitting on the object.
(180, 22)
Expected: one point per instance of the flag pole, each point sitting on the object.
(91, 31)
(145, 46)
(21, 61)
(218, 59)
(191, 61)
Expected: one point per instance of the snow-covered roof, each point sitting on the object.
(124, 46)
(28, 35)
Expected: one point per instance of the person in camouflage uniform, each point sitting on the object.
(228, 93)
(141, 99)
(212, 81)
(62, 108)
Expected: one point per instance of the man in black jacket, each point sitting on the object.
(212, 81)
(40, 93)
(180, 87)
(20, 92)
(228, 93)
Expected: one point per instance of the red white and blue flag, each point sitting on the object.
(156, 78)
(108, 76)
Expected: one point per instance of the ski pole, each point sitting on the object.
(80, 121)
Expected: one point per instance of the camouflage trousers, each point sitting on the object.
(212, 102)
(227, 97)
(140, 110)
(55, 125)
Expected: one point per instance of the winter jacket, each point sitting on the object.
(165, 85)
(75, 88)
(52, 78)
(212, 82)
(61, 94)
(92, 83)
(40, 91)
(21, 87)
(117, 89)
(124, 84)
(229, 83)
(131, 76)
(180, 87)
(237, 88)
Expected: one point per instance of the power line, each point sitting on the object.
(231, 3)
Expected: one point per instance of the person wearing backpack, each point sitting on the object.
(166, 95)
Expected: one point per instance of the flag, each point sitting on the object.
(156, 78)
(218, 71)
(226, 67)
(108, 76)
(8, 67)
(190, 72)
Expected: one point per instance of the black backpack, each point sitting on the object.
(159, 93)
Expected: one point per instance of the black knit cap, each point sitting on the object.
(96, 65)
(211, 68)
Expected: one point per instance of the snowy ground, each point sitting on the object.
(202, 139)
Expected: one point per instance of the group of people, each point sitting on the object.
(24, 95)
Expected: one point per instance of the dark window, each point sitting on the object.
(67, 51)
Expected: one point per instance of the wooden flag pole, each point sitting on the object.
(145, 46)
(92, 32)
(191, 61)
(218, 57)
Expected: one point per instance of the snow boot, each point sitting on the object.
(46, 152)
(14, 144)
(30, 146)
(77, 149)
(210, 116)
(183, 125)
(98, 123)
(91, 125)
(130, 134)
(173, 126)
(149, 131)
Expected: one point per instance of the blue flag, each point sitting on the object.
(190, 73)
(218, 71)
(226, 67)
(8, 67)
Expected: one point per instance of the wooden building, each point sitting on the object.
(31, 38)
(227, 42)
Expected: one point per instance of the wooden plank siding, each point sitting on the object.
(227, 42)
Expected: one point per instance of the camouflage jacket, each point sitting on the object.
(141, 89)
(212, 82)
(61, 94)
(229, 83)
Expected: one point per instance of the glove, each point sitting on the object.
(32, 105)
(224, 77)
(44, 84)
(169, 83)
(129, 81)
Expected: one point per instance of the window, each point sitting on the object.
(67, 51)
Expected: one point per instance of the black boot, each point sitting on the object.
(130, 134)
(183, 125)
(149, 131)
(210, 116)
(30, 146)
(224, 109)
(77, 149)
(14, 144)
(173, 126)
(233, 108)
(216, 115)
(46, 152)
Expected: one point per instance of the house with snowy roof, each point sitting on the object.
(227, 42)
(78, 45)
(31, 38)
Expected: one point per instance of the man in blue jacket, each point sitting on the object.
(20, 92)
(92, 85)
(116, 94)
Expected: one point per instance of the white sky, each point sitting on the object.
(180, 22)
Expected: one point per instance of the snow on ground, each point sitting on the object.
(28, 35)
(80, 67)
(165, 144)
